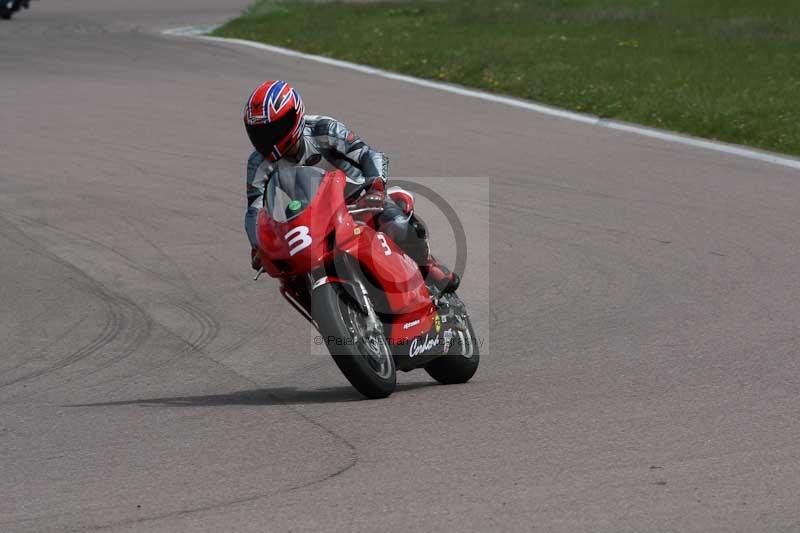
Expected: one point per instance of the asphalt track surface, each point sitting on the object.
(640, 297)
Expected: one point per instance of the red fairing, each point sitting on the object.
(411, 325)
(325, 229)
(393, 271)
(302, 244)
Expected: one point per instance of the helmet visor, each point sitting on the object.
(266, 136)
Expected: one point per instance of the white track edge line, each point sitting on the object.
(198, 32)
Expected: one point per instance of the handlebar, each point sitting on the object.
(352, 209)
(355, 192)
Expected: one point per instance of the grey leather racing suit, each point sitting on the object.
(327, 144)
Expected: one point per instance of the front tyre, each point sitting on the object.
(356, 343)
(462, 362)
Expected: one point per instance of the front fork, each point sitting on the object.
(354, 288)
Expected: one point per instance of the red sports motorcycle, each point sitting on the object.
(365, 296)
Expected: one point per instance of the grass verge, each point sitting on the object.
(721, 69)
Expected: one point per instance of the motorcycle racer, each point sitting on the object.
(284, 136)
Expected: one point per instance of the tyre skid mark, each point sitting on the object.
(110, 330)
(209, 327)
(196, 343)
(120, 314)
(38, 353)
(131, 262)
(116, 322)
(135, 224)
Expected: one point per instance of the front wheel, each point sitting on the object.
(355, 340)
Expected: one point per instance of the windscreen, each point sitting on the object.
(290, 190)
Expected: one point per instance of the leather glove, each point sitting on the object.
(374, 196)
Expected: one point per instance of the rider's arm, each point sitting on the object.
(257, 171)
(372, 163)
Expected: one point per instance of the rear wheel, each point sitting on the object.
(355, 340)
(462, 361)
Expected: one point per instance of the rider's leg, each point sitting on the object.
(411, 234)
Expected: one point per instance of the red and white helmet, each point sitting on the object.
(274, 118)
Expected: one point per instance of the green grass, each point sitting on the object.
(722, 69)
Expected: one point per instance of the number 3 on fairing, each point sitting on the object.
(298, 239)
(386, 249)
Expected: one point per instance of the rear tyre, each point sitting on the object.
(458, 367)
(360, 351)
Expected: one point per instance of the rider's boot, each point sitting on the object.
(439, 276)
